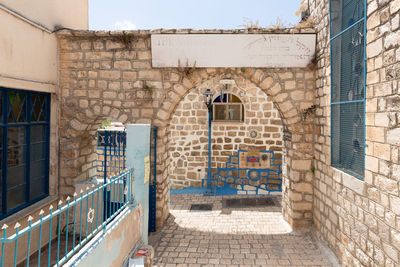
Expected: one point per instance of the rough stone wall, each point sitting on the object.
(361, 219)
(108, 75)
(188, 132)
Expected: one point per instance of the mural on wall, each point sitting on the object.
(255, 125)
(249, 172)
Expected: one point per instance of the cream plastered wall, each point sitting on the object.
(28, 53)
(29, 61)
(51, 13)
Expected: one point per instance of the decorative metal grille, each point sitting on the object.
(347, 19)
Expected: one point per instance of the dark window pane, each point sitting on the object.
(235, 99)
(38, 133)
(38, 112)
(348, 137)
(219, 99)
(37, 188)
(16, 136)
(15, 176)
(1, 137)
(348, 65)
(220, 112)
(16, 156)
(16, 107)
(345, 13)
(38, 151)
(37, 169)
(234, 112)
(227, 98)
(15, 197)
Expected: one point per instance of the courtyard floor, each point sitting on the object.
(233, 234)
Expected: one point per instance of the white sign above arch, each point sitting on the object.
(232, 50)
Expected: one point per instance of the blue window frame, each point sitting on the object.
(24, 149)
(348, 72)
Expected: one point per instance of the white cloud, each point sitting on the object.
(123, 25)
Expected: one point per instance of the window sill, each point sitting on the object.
(28, 210)
(349, 181)
(226, 122)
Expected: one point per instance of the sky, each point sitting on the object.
(197, 14)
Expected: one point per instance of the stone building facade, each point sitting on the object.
(188, 131)
(108, 75)
(360, 220)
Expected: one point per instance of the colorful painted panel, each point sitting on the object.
(248, 173)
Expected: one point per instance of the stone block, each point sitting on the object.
(141, 64)
(144, 55)
(267, 83)
(373, 21)
(150, 74)
(376, 134)
(354, 183)
(301, 165)
(289, 85)
(98, 55)
(129, 75)
(302, 206)
(393, 136)
(302, 187)
(374, 48)
(392, 39)
(391, 251)
(110, 74)
(395, 204)
(382, 151)
(122, 64)
(110, 45)
(381, 119)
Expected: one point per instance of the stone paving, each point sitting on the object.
(251, 236)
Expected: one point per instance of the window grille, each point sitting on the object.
(228, 107)
(347, 42)
(24, 149)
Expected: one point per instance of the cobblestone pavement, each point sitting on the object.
(224, 236)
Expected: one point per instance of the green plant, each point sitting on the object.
(104, 124)
(312, 169)
(243, 69)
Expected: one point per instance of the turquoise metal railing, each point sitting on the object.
(73, 223)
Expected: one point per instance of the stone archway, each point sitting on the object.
(188, 131)
(101, 76)
(292, 93)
